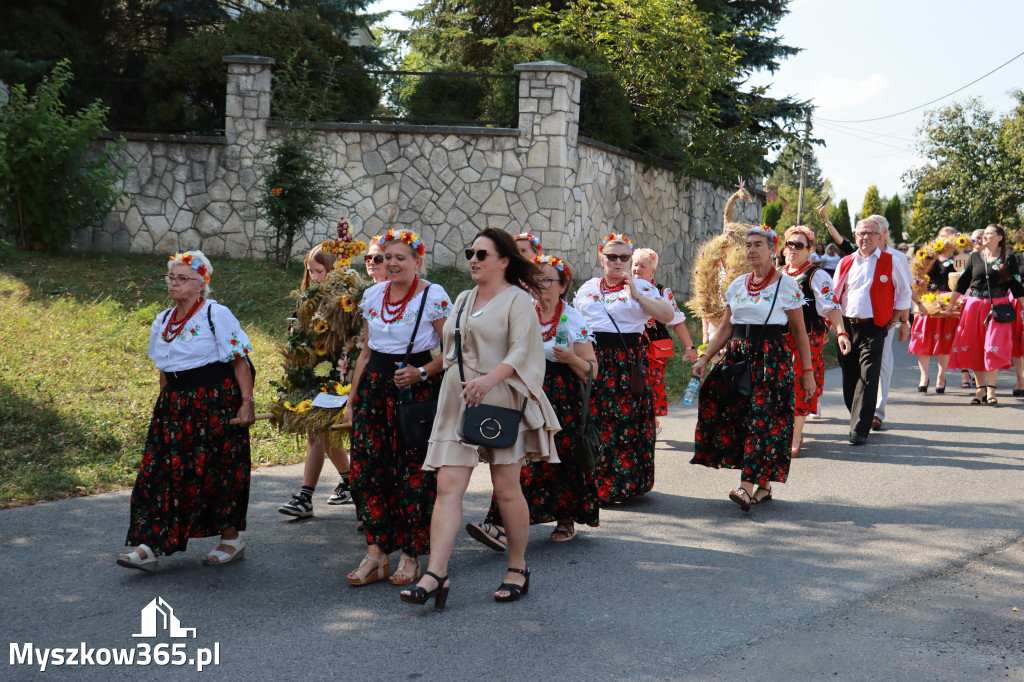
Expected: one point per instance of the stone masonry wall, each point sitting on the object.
(446, 183)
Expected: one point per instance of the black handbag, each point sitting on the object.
(637, 370)
(490, 425)
(737, 374)
(588, 448)
(415, 419)
(1001, 312)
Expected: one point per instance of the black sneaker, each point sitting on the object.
(301, 507)
(342, 495)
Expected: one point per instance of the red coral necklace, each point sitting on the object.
(174, 327)
(799, 271)
(550, 328)
(754, 287)
(611, 288)
(392, 311)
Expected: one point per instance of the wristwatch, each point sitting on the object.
(423, 374)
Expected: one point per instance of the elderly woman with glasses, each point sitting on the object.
(616, 308)
(493, 355)
(374, 260)
(193, 481)
(754, 434)
(819, 306)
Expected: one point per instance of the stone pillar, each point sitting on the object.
(549, 115)
(247, 108)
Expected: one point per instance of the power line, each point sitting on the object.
(922, 106)
(866, 139)
(836, 127)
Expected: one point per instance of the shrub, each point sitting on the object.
(51, 184)
(771, 214)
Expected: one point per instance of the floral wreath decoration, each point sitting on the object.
(554, 261)
(613, 237)
(932, 302)
(529, 235)
(344, 247)
(407, 236)
(719, 261)
(196, 264)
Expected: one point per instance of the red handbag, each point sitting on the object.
(662, 348)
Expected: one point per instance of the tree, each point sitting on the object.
(873, 204)
(972, 174)
(771, 213)
(810, 217)
(51, 185)
(786, 168)
(894, 214)
(840, 217)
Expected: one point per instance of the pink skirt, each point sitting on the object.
(932, 335)
(978, 346)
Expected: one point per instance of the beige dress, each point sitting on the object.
(504, 331)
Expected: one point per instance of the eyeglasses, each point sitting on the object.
(177, 279)
(867, 234)
(481, 254)
(621, 257)
(797, 246)
(546, 283)
(378, 259)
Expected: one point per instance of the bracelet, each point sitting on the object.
(691, 348)
(838, 334)
(250, 399)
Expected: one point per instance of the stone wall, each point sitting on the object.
(445, 182)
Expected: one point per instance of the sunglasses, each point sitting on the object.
(621, 257)
(378, 259)
(797, 246)
(481, 254)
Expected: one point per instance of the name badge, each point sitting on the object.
(883, 279)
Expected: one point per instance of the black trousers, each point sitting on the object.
(861, 368)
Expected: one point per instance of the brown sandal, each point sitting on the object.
(563, 532)
(760, 500)
(740, 497)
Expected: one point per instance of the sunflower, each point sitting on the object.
(922, 254)
(304, 405)
(962, 242)
(320, 327)
(320, 347)
(348, 304)
(939, 245)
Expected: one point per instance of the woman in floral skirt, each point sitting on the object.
(754, 435)
(565, 492)
(616, 308)
(394, 496)
(194, 478)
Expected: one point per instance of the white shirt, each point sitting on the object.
(814, 257)
(824, 293)
(830, 261)
(578, 331)
(393, 338)
(595, 306)
(747, 309)
(855, 295)
(197, 345)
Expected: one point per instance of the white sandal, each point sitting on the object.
(220, 557)
(136, 559)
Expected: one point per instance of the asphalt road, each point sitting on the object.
(901, 559)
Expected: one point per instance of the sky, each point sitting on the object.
(872, 58)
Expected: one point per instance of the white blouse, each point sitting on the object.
(595, 307)
(578, 331)
(677, 314)
(393, 338)
(821, 286)
(197, 344)
(747, 309)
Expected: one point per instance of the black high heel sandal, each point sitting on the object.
(419, 595)
(514, 591)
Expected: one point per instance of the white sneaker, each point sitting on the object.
(300, 507)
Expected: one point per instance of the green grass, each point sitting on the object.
(76, 386)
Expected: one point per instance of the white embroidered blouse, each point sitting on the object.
(747, 309)
(629, 316)
(197, 344)
(393, 337)
(578, 331)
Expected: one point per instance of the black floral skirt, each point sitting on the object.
(394, 497)
(194, 478)
(625, 422)
(564, 490)
(753, 436)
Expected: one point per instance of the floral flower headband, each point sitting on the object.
(613, 237)
(554, 261)
(529, 235)
(767, 233)
(406, 236)
(805, 231)
(196, 264)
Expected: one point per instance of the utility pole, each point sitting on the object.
(803, 168)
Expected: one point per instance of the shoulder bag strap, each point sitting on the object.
(416, 326)
(458, 351)
(622, 339)
(770, 310)
(988, 284)
(587, 386)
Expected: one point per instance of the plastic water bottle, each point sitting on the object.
(562, 335)
(691, 391)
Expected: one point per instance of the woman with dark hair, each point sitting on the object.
(500, 354)
(565, 492)
(932, 334)
(982, 344)
(754, 434)
(617, 307)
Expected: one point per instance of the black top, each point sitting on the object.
(658, 330)
(1000, 277)
(845, 247)
(813, 322)
(938, 274)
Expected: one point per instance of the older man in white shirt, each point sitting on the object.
(874, 293)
